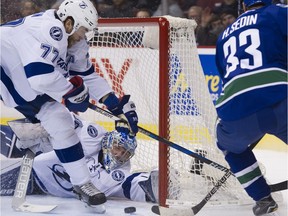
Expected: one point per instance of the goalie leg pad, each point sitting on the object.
(150, 187)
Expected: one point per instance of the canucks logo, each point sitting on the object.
(56, 33)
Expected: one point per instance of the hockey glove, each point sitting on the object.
(77, 99)
(125, 110)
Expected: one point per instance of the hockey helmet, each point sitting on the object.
(82, 11)
(118, 148)
(249, 3)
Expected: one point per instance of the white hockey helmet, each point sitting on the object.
(82, 11)
(122, 143)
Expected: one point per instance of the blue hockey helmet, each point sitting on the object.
(117, 148)
(249, 3)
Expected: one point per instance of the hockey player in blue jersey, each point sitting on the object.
(39, 53)
(251, 56)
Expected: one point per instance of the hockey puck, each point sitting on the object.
(128, 210)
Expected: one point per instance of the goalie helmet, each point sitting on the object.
(249, 3)
(82, 11)
(118, 148)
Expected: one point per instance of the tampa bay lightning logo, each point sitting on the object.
(61, 177)
(56, 33)
(83, 5)
(118, 175)
(92, 131)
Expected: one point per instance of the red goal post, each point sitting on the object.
(163, 25)
(155, 60)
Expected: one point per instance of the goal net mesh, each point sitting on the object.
(130, 54)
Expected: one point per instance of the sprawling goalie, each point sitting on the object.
(107, 157)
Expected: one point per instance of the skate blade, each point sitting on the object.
(98, 209)
(272, 214)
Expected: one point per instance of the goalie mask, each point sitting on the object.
(118, 148)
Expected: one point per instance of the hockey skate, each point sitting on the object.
(265, 206)
(90, 195)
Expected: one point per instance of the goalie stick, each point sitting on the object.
(19, 198)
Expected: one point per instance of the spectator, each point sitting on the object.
(9, 10)
(209, 3)
(208, 25)
(28, 7)
(228, 16)
(102, 7)
(46, 4)
(56, 4)
(143, 12)
(151, 5)
(173, 9)
(216, 25)
(120, 8)
(186, 4)
(195, 12)
(227, 5)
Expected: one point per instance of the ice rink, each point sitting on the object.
(275, 162)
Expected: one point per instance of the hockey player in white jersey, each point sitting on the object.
(38, 55)
(107, 156)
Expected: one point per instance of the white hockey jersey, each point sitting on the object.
(35, 61)
(53, 179)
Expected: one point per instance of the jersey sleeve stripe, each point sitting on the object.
(10, 87)
(38, 68)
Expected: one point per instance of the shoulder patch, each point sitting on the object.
(77, 122)
(56, 33)
(92, 131)
(118, 175)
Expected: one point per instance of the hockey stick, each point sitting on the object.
(218, 184)
(163, 140)
(19, 198)
(198, 156)
(195, 209)
(197, 169)
(279, 186)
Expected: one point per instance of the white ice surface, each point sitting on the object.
(276, 164)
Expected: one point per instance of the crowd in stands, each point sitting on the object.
(212, 16)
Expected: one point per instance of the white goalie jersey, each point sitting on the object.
(53, 179)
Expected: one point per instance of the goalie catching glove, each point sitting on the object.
(125, 110)
(77, 99)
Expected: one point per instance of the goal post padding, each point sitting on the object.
(155, 60)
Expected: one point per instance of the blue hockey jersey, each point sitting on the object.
(251, 57)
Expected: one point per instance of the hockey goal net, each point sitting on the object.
(155, 60)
